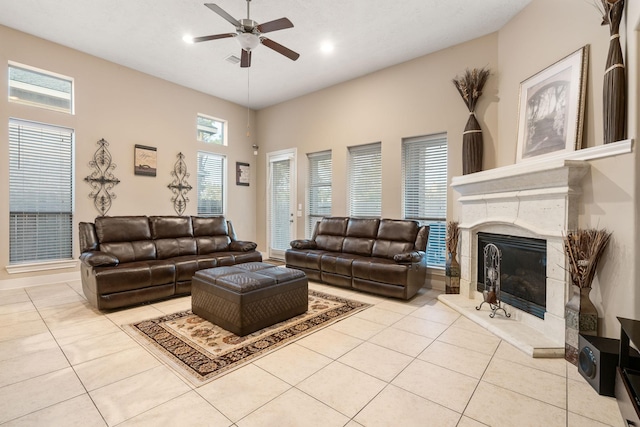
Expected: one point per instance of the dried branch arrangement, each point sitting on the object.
(584, 248)
(470, 85)
(453, 233)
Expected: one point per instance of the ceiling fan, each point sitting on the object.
(249, 34)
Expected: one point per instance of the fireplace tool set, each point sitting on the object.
(491, 293)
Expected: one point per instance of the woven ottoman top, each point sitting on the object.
(248, 277)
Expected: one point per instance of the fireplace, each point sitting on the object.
(523, 271)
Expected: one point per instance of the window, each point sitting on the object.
(365, 180)
(40, 192)
(212, 130)
(424, 169)
(211, 184)
(31, 86)
(319, 197)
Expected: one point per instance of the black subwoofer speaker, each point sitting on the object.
(597, 361)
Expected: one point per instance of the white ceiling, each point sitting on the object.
(368, 35)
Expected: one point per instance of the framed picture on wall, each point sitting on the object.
(145, 160)
(242, 174)
(551, 108)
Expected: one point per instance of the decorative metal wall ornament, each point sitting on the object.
(491, 293)
(102, 179)
(179, 186)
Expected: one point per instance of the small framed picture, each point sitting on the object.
(551, 108)
(242, 174)
(145, 160)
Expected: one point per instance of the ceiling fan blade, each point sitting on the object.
(214, 37)
(217, 9)
(279, 48)
(245, 60)
(278, 24)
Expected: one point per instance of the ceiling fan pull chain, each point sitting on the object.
(248, 110)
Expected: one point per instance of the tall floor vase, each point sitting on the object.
(581, 317)
(452, 274)
(472, 146)
(614, 87)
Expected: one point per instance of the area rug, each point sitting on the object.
(201, 351)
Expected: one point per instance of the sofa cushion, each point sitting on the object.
(395, 237)
(357, 245)
(169, 248)
(333, 226)
(210, 226)
(122, 228)
(338, 263)
(135, 275)
(210, 244)
(140, 250)
(329, 243)
(363, 227)
(164, 227)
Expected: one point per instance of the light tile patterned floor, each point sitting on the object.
(415, 363)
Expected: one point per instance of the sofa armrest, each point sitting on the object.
(242, 246)
(99, 259)
(408, 257)
(303, 244)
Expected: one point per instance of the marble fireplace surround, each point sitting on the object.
(538, 199)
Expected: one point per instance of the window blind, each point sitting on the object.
(211, 184)
(40, 192)
(424, 169)
(280, 204)
(365, 180)
(319, 197)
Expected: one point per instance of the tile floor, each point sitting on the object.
(415, 363)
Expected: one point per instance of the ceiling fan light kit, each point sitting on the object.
(250, 34)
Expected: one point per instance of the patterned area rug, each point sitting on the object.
(202, 351)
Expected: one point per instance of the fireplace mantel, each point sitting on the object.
(538, 198)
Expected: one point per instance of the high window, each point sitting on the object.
(212, 130)
(31, 86)
(319, 197)
(424, 169)
(211, 184)
(365, 180)
(40, 192)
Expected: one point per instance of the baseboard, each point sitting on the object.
(44, 279)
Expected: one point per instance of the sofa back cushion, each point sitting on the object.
(210, 226)
(331, 232)
(395, 237)
(177, 246)
(126, 237)
(360, 236)
(163, 227)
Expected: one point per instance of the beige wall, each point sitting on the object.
(411, 99)
(126, 107)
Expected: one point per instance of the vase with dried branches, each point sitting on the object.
(452, 266)
(614, 87)
(470, 86)
(584, 249)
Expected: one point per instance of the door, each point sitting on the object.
(281, 201)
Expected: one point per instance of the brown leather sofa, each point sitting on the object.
(129, 260)
(382, 256)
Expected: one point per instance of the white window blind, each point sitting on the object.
(280, 204)
(424, 169)
(211, 184)
(40, 192)
(319, 197)
(365, 180)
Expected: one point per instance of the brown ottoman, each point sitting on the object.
(248, 297)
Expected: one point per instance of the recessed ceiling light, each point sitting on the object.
(187, 39)
(326, 47)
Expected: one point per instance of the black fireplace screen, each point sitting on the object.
(523, 275)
